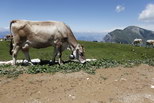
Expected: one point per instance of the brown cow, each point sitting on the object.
(137, 42)
(39, 34)
(8, 37)
(150, 43)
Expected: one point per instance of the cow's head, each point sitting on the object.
(8, 37)
(78, 53)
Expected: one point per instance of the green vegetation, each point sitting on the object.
(107, 55)
(117, 51)
(93, 50)
(89, 67)
(44, 53)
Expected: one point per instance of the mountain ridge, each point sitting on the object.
(128, 34)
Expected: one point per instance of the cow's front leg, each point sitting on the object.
(60, 49)
(57, 51)
(15, 52)
(54, 54)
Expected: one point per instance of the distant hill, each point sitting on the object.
(3, 32)
(89, 36)
(128, 34)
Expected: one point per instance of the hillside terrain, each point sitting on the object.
(93, 50)
(127, 35)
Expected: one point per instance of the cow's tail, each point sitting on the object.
(11, 46)
(11, 37)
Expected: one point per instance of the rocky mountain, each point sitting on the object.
(128, 34)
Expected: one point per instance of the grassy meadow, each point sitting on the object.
(107, 55)
(93, 50)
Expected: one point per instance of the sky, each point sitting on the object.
(81, 15)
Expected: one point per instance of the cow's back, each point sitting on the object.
(24, 27)
(41, 34)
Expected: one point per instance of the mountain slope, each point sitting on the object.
(128, 34)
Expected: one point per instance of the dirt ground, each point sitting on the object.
(112, 85)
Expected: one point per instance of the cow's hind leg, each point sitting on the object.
(25, 50)
(54, 54)
(26, 53)
(15, 52)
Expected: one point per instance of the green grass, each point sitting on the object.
(93, 50)
(117, 51)
(107, 55)
(44, 53)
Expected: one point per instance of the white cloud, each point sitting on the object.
(147, 14)
(119, 8)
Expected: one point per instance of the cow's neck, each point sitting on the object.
(73, 46)
(72, 42)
